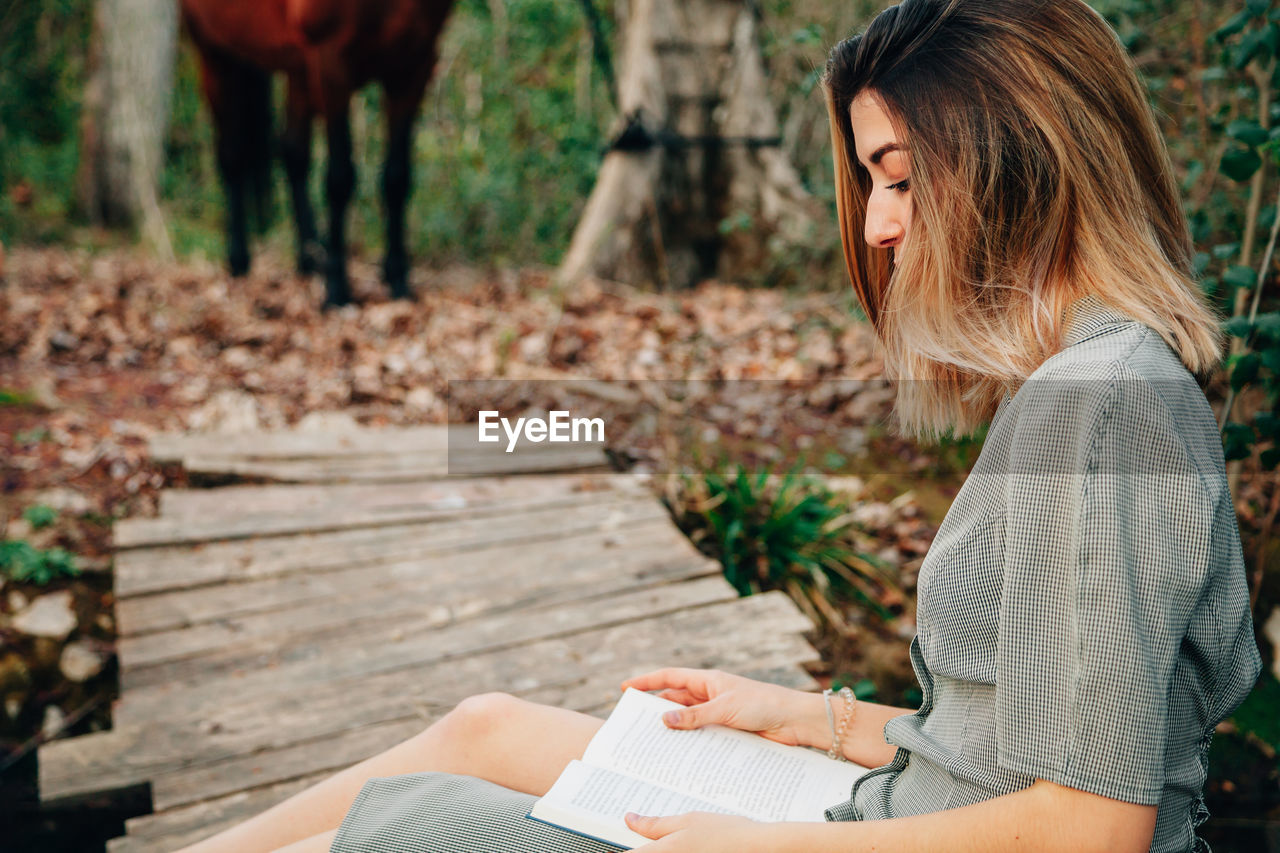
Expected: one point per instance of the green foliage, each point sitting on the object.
(952, 453)
(40, 516)
(43, 47)
(1257, 714)
(23, 563)
(1240, 54)
(30, 436)
(16, 398)
(863, 688)
(782, 532)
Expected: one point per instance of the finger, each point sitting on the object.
(654, 827)
(679, 694)
(697, 716)
(689, 679)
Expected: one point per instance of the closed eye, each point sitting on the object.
(901, 186)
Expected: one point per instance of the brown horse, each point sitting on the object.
(327, 49)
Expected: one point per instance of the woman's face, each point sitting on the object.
(884, 156)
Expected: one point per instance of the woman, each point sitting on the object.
(1012, 230)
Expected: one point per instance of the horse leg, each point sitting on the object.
(339, 185)
(397, 176)
(295, 150)
(218, 77)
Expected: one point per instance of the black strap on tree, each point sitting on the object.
(637, 135)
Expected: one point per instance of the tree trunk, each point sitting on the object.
(126, 114)
(697, 184)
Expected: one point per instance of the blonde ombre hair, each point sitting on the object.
(1038, 176)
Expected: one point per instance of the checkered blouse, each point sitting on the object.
(1082, 613)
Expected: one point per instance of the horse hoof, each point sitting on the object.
(239, 267)
(396, 277)
(311, 259)
(336, 297)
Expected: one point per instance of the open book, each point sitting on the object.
(636, 764)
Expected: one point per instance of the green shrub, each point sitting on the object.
(788, 532)
(40, 516)
(23, 563)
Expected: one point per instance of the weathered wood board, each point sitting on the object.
(273, 633)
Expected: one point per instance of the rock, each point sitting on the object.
(1271, 630)
(53, 720)
(17, 601)
(48, 616)
(79, 662)
(65, 499)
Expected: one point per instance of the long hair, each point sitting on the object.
(1038, 176)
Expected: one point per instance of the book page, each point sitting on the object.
(740, 771)
(593, 801)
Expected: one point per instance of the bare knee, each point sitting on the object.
(480, 716)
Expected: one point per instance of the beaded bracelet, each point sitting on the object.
(838, 732)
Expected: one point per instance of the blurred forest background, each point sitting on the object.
(506, 151)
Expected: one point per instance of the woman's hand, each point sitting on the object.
(703, 832)
(711, 696)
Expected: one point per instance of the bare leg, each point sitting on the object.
(514, 743)
(315, 844)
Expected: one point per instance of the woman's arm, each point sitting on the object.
(1042, 817)
(778, 713)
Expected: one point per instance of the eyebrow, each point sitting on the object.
(883, 150)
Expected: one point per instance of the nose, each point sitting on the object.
(884, 225)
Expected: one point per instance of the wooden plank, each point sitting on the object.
(185, 825)
(171, 610)
(162, 568)
(295, 497)
(404, 648)
(192, 734)
(297, 444)
(273, 638)
(333, 751)
(177, 828)
(152, 532)
(408, 465)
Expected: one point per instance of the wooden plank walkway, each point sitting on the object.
(272, 634)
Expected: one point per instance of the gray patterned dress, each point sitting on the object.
(1082, 617)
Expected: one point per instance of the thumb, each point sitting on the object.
(696, 716)
(652, 827)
